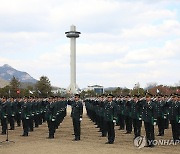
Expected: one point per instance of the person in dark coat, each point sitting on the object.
(174, 117)
(3, 115)
(150, 119)
(110, 116)
(76, 114)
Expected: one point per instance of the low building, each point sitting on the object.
(96, 88)
(59, 91)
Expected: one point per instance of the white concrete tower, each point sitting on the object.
(73, 34)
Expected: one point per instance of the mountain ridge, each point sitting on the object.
(7, 72)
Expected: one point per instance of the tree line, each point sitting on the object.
(41, 89)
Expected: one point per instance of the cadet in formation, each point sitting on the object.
(151, 110)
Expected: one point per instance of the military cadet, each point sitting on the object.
(32, 112)
(3, 116)
(36, 113)
(110, 116)
(61, 113)
(150, 119)
(44, 104)
(166, 113)
(174, 117)
(51, 117)
(40, 109)
(59, 105)
(128, 118)
(117, 101)
(102, 118)
(18, 103)
(161, 115)
(11, 112)
(121, 112)
(97, 107)
(136, 113)
(76, 114)
(178, 117)
(89, 108)
(25, 115)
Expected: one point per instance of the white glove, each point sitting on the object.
(80, 119)
(114, 121)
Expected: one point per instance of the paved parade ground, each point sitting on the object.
(91, 142)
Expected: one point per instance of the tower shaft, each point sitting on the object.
(72, 34)
(73, 65)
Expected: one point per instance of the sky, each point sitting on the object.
(122, 42)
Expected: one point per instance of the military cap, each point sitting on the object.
(149, 95)
(110, 95)
(102, 95)
(174, 95)
(136, 96)
(51, 96)
(77, 95)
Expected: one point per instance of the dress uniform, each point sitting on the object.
(136, 114)
(3, 116)
(32, 112)
(160, 104)
(25, 115)
(150, 119)
(36, 113)
(76, 114)
(128, 118)
(62, 110)
(174, 117)
(110, 118)
(51, 117)
(121, 117)
(102, 119)
(166, 114)
(11, 112)
(18, 103)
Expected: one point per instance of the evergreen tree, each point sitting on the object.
(14, 85)
(43, 87)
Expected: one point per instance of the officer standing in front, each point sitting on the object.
(76, 114)
(110, 118)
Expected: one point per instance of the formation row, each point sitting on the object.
(129, 113)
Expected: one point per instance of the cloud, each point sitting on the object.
(122, 41)
(166, 29)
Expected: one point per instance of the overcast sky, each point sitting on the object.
(122, 42)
